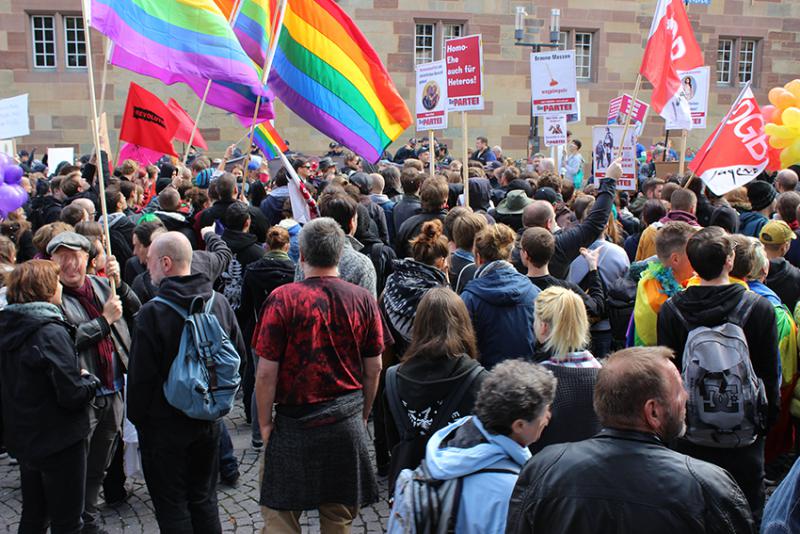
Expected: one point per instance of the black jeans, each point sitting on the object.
(181, 463)
(53, 489)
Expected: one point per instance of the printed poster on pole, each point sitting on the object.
(575, 117)
(431, 108)
(620, 107)
(605, 145)
(554, 88)
(555, 130)
(695, 85)
(464, 60)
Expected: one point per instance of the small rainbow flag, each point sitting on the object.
(267, 139)
(185, 37)
(326, 71)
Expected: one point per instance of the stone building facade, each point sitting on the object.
(741, 39)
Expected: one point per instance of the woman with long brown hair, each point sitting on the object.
(438, 380)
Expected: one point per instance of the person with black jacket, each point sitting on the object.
(568, 243)
(433, 195)
(120, 228)
(409, 204)
(179, 455)
(713, 303)
(226, 189)
(169, 202)
(441, 357)
(625, 479)
(45, 400)
(245, 251)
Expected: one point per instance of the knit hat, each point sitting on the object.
(776, 233)
(203, 178)
(760, 194)
(515, 203)
(726, 218)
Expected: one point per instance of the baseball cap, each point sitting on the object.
(70, 240)
(776, 233)
(547, 194)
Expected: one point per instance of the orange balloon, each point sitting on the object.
(786, 100)
(793, 87)
(774, 93)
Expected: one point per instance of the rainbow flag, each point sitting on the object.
(253, 25)
(328, 74)
(185, 37)
(267, 139)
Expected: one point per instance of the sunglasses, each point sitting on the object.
(306, 166)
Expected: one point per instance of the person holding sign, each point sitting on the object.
(573, 164)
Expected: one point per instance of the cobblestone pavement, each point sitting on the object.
(238, 507)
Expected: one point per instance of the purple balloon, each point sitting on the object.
(12, 174)
(5, 160)
(11, 198)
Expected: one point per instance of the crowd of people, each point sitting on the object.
(573, 357)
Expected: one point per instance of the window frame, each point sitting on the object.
(567, 39)
(44, 42)
(418, 47)
(67, 42)
(438, 37)
(449, 25)
(735, 74)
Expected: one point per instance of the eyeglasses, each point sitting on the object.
(306, 166)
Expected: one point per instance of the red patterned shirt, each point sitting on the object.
(318, 330)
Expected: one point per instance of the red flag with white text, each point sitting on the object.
(671, 46)
(148, 122)
(185, 126)
(738, 153)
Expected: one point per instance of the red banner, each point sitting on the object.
(185, 126)
(148, 122)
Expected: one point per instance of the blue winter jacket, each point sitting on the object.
(501, 306)
(484, 496)
(751, 223)
(272, 205)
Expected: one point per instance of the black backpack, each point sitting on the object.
(382, 257)
(410, 450)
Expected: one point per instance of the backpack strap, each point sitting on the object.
(458, 281)
(741, 313)
(399, 415)
(677, 312)
(452, 401)
(210, 303)
(183, 313)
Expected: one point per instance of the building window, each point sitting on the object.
(424, 36)
(737, 61)
(583, 44)
(450, 31)
(43, 29)
(75, 42)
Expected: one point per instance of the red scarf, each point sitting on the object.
(105, 347)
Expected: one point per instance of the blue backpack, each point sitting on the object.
(204, 376)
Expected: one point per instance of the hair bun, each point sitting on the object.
(431, 230)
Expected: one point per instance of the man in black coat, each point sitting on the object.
(625, 479)
(434, 198)
(714, 303)
(226, 189)
(180, 455)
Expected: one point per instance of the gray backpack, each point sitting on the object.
(727, 401)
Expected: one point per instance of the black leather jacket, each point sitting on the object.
(624, 481)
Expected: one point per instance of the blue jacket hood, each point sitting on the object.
(503, 287)
(453, 462)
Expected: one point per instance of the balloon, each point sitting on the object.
(786, 99)
(780, 142)
(9, 200)
(5, 159)
(793, 87)
(782, 132)
(774, 159)
(790, 116)
(12, 174)
(773, 95)
(768, 112)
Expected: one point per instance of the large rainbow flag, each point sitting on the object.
(252, 24)
(326, 71)
(184, 37)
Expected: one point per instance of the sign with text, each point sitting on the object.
(555, 130)
(620, 107)
(554, 88)
(464, 59)
(575, 117)
(605, 145)
(695, 85)
(431, 107)
(14, 117)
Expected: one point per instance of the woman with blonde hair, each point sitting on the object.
(562, 328)
(500, 299)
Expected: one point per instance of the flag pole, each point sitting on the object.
(274, 36)
(682, 164)
(465, 167)
(98, 166)
(628, 115)
(431, 156)
(104, 75)
(234, 12)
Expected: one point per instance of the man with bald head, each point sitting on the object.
(786, 180)
(180, 455)
(541, 214)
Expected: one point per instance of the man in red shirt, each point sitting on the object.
(319, 344)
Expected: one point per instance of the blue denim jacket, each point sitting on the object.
(782, 513)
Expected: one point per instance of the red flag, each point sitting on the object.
(148, 122)
(737, 151)
(185, 126)
(671, 47)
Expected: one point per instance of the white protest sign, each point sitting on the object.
(464, 59)
(554, 88)
(431, 107)
(605, 145)
(555, 130)
(14, 120)
(57, 155)
(7, 147)
(695, 84)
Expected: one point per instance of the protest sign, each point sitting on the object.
(575, 117)
(431, 108)
(695, 85)
(620, 107)
(464, 60)
(7, 147)
(14, 120)
(57, 155)
(555, 130)
(606, 141)
(553, 85)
